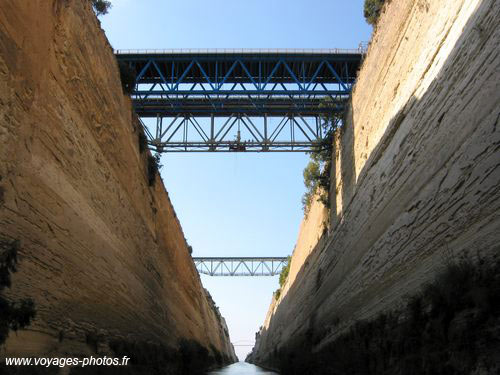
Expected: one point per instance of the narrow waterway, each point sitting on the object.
(242, 368)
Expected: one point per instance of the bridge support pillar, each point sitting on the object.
(212, 133)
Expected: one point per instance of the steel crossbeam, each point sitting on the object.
(250, 86)
(237, 132)
(255, 266)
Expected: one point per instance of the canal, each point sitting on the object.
(242, 368)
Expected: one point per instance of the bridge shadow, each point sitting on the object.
(442, 138)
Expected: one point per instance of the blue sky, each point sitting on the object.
(233, 204)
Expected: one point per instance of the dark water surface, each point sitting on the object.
(242, 368)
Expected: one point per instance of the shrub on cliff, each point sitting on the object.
(317, 172)
(14, 315)
(283, 276)
(311, 175)
(285, 271)
(127, 76)
(153, 168)
(101, 6)
(277, 294)
(372, 10)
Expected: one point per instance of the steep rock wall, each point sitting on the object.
(102, 252)
(415, 178)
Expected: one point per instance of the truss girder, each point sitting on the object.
(242, 85)
(233, 266)
(241, 79)
(237, 132)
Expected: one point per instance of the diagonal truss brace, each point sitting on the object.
(237, 132)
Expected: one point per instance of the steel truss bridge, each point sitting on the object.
(239, 100)
(263, 266)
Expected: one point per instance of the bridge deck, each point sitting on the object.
(281, 66)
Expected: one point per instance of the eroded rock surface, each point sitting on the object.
(102, 253)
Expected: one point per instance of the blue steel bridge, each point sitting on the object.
(241, 99)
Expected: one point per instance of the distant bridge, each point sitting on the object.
(239, 100)
(250, 343)
(245, 266)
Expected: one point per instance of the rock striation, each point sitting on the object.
(102, 253)
(415, 175)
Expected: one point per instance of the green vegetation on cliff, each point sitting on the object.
(372, 10)
(101, 6)
(14, 315)
(317, 172)
(154, 167)
(127, 77)
(283, 276)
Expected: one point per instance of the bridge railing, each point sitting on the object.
(358, 50)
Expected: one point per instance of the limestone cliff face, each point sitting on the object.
(102, 252)
(415, 175)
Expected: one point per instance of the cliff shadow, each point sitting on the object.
(413, 135)
(341, 189)
(347, 164)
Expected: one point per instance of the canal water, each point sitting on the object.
(242, 368)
